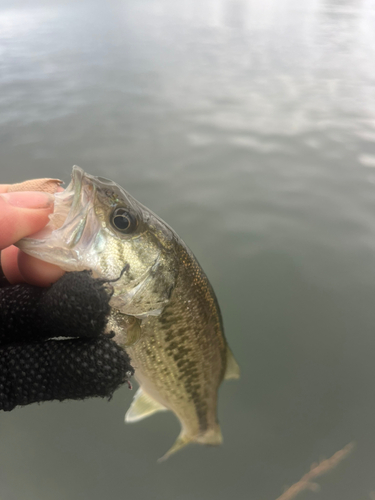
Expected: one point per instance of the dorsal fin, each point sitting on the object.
(142, 406)
(232, 370)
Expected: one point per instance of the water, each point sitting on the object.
(249, 127)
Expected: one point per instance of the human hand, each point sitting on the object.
(23, 213)
(83, 362)
(35, 367)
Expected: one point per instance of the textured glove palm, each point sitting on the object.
(52, 345)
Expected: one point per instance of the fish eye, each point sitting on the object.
(123, 221)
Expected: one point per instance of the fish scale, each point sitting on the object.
(187, 335)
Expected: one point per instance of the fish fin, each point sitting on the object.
(133, 333)
(182, 440)
(142, 406)
(211, 437)
(232, 370)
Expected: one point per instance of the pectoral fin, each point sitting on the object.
(142, 406)
(232, 370)
(133, 332)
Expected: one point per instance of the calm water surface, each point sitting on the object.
(249, 126)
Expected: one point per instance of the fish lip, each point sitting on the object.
(72, 193)
(77, 175)
(76, 191)
(72, 208)
(75, 185)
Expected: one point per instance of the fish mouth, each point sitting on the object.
(72, 226)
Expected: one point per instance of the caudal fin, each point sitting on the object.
(211, 437)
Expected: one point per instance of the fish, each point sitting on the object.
(164, 311)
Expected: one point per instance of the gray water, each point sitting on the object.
(249, 126)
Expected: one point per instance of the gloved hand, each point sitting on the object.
(34, 366)
(82, 362)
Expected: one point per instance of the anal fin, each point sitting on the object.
(142, 406)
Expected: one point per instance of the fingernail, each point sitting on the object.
(29, 199)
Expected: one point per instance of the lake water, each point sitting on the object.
(249, 126)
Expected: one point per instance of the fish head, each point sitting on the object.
(97, 225)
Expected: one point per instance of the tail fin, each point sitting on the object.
(211, 437)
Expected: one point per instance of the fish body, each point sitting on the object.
(163, 310)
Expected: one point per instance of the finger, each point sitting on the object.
(9, 265)
(30, 270)
(22, 214)
(77, 305)
(37, 272)
(61, 369)
(46, 185)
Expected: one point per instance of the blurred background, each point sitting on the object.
(249, 126)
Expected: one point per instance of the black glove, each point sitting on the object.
(35, 366)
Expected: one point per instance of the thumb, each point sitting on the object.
(22, 214)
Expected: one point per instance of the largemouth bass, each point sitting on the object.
(163, 310)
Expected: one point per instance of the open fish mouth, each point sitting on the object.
(72, 226)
